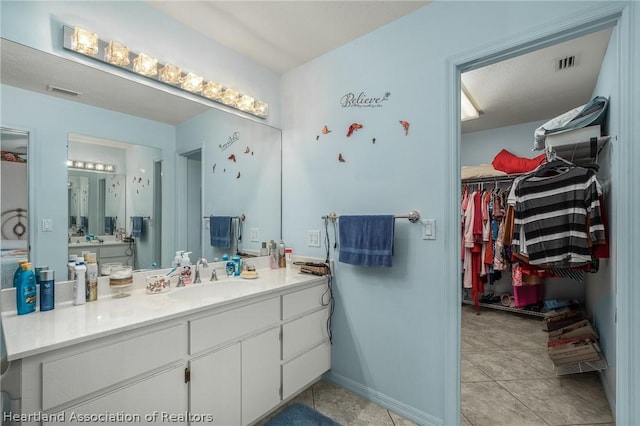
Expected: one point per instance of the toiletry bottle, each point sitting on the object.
(273, 255)
(26, 290)
(47, 290)
(237, 265)
(37, 271)
(79, 285)
(92, 278)
(288, 256)
(18, 273)
(264, 251)
(71, 273)
(229, 266)
(281, 259)
(186, 268)
(177, 261)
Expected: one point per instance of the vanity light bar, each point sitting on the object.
(117, 54)
(90, 166)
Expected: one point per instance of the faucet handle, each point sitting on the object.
(214, 276)
(180, 282)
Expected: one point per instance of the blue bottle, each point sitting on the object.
(229, 266)
(237, 263)
(47, 290)
(26, 290)
(16, 275)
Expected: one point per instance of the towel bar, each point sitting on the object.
(242, 217)
(413, 216)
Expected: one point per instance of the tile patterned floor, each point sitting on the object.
(345, 407)
(508, 379)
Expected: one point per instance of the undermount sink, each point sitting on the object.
(212, 289)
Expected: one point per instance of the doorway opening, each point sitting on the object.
(194, 194)
(503, 352)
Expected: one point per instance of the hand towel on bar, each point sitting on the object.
(366, 240)
(136, 226)
(84, 224)
(109, 225)
(220, 231)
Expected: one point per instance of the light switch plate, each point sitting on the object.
(254, 234)
(313, 238)
(428, 229)
(47, 225)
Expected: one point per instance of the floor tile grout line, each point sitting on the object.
(391, 417)
(517, 399)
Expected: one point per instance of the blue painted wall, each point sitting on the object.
(388, 331)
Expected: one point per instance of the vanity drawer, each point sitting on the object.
(113, 251)
(301, 371)
(226, 326)
(304, 333)
(65, 379)
(299, 302)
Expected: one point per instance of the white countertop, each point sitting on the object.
(83, 243)
(67, 324)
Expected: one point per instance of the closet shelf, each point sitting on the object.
(582, 367)
(505, 308)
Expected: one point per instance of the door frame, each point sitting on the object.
(620, 15)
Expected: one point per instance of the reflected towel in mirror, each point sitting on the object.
(136, 226)
(366, 240)
(220, 231)
(109, 225)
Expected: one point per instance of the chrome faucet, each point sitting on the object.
(214, 274)
(202, 261)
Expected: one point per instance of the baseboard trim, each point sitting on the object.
(411, 413)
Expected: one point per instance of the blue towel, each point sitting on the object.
(109, 225)
(84, 223)
(366, 240)
(220, 231)
(136, 226)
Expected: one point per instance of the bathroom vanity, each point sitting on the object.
(106, 252)
(224, 352)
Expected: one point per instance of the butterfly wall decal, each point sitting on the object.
(341, 158)
(405, 126)
(352, 128)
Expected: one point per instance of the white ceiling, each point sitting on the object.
(285, 34)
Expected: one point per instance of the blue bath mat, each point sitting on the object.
(301, 415)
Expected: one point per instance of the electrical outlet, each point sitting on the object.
(254, 234)
(313, 238)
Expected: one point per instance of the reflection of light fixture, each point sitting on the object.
(170, 74)
(192, 83)
(116, 54)
(85, 42)
(467, 110)
(90, 166)
(145, 65)
(113, 53)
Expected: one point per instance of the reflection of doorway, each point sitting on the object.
(157, 211)
(492, 58)
(194, 204)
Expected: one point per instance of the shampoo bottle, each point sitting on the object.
(47, 290)
(18, 273)
(79, 285)
(229, 266)
(26, 290)
(281, 259)
(273, 255)
(237, 265)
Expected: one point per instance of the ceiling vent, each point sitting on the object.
(566, 62)
(62, 90)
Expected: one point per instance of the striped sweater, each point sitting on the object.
(559, 216)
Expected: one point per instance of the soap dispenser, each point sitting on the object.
(177, 261)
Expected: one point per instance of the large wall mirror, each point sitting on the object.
(14, 203)
(146, 116)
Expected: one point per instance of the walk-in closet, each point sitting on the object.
(538, 287)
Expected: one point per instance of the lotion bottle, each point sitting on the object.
(26, 290)
(80, 285)
(47, 290)
(186, 268)
(71, 273)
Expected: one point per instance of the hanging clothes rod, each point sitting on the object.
(413, 216)
(492, 179)
(242, 217)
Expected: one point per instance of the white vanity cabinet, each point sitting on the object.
(306, 351)
(135, 373)
(229, 364)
